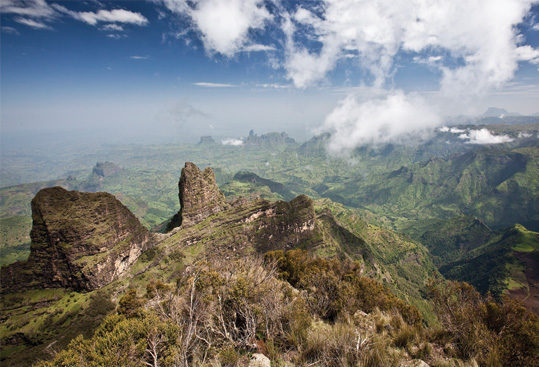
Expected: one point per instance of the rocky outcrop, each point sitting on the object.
(269, 140)
(79, 240)
(199, 196)
(207, 139)
(105, 169)
(100, 172)
(243, 226)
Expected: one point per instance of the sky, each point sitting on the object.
(364, 70)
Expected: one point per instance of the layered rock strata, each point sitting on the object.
(79, 240)
(199, 196)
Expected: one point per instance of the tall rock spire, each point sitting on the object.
(199, 196)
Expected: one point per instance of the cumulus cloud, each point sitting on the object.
(223, 24)
(528, 53)
(396, 118)
(478, 38)
(484, 136)
(472, 45)
(232, 142)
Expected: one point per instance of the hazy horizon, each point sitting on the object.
(172, 70)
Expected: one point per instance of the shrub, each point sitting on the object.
(336, 289)
(494, 333)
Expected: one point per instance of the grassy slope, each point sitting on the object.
(45, 316)
(494, 266)
(411, 189)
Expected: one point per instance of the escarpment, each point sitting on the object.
(85, 241)
(226, 229)
(79, 240)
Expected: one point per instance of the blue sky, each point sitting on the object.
(222, 67)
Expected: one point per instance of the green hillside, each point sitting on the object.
(428, 191)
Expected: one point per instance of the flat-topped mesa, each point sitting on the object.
(79, 240)
(199, 196)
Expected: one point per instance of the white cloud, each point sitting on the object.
(484, 136)
(223, 24)
(232, 142)
(9, 30)
(214, 85)
(34, 13)
(397, 118)
(112, 27)
(32, 23)
(528, 53)
(305, 68)
(145, 57)
(273, 85)
(27, 8)
(110, 16)
(257, 47)
(120, 36)
(454, 130)
(524, 135)
(478, 37)
(433, 61)
(472, 45)
(536, 27)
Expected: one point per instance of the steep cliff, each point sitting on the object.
(212, 227)
(79, 240)
(199, 196)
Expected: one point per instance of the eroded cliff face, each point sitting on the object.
(79, 240)
(240, 227)
(199, 196)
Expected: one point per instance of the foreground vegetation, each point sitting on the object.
(296, 308)
(302, 310)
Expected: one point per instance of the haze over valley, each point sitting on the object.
(255, 183)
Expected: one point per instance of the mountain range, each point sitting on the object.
(407, 216)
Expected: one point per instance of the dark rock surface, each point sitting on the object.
(199, 196)
(243, 226)
(79, 240)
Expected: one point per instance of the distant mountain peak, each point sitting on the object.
(105, 169)
(499, 112)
